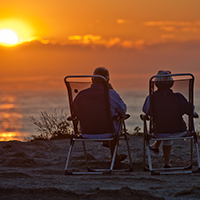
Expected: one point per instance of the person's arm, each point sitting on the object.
(146, 106)
(117, 104)
(185, 104)
(195, 115)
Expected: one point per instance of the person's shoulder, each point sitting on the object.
(156, 93)
(83, 93)
(180, 96)
(114, 95)
(113, 92)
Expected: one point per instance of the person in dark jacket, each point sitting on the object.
(169, 108)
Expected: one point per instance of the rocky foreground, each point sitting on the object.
(35, 170)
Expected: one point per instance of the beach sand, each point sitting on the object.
(35, 170)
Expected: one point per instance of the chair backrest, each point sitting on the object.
(167, 107)
(89, 104)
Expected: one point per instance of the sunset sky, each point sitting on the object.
(133, 39)
(43, 41)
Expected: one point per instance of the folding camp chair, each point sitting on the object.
(98, 120)
(183, 83)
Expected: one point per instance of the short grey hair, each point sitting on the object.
(102, 71)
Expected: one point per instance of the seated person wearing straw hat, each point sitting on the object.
(169, 108)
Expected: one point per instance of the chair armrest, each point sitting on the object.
(121, 117)
(144, 117)
(70, 118)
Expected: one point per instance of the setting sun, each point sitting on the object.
(8, 37)
(15, 31)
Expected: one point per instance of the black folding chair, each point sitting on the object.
(97, 121)
(183, 83)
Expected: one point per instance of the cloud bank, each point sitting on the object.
(38, 65)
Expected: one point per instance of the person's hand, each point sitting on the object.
(195, 115)
(110, 86)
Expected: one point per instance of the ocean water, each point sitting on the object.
(16, 107)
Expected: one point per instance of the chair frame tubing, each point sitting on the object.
(173, 170)
(97, 171)
(148, 137)
(75, 139)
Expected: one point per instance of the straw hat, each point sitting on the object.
(164, 80)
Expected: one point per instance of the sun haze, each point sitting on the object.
(15, 31)
(8, 37)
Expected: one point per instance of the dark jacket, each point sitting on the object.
(168, 110)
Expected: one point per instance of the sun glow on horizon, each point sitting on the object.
(8, 37)
(15, 31)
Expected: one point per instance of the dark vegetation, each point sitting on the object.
(51, 126)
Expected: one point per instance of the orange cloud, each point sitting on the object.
(85, 39)
(171, 25)
(167, 28)
(189, 29)
(121, 21)
(180, 30)
(48, 64)
(138, 44)
(107, 42)
(75, 37)
(91, 38)
(43, 41)
(167, 36)
(168, 23)
(113, 41)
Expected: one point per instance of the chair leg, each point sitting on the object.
(145, 143)
(98, 171)
(191, 150)
(197, 152)
(86, 160)
(114, 156)
(144, 153)
(149, 156)
(68, 157)
(129, 152)
(128, 147)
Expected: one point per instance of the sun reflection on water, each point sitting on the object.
(10, 119)
(7, 106)
(9, 136)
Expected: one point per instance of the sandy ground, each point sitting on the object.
(35, 170)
